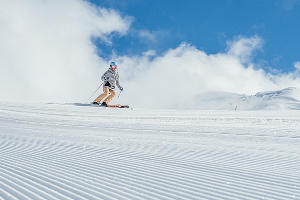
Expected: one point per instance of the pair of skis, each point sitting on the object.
(112, 106)
(118, 106)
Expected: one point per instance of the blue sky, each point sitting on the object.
(160, 25)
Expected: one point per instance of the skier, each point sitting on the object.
(110, 79)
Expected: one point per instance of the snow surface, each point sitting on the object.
(56, 151)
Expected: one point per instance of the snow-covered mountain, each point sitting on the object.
(286, 99)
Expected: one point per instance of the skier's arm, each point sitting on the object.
(118, 82)
(103, 76)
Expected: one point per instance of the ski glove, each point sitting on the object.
(121, 88)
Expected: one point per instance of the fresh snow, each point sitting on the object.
(68, 151)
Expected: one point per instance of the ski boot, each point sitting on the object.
(104, 104)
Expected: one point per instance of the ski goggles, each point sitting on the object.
(114, 66)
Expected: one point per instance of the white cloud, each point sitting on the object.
(182, 74)
(146, 34)
(243, 48)
(46, 53)
(150, 37)
(297, 66)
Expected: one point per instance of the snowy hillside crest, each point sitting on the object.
(285, 99)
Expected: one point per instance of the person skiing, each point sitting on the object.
(110, 79)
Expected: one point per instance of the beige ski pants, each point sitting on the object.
(106, 91)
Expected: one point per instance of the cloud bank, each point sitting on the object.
(46, 54)
(182, 74)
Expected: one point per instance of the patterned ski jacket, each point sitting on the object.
(111, 79)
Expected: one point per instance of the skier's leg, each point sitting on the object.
(102, 96)
(110, 97)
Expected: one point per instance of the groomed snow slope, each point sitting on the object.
(51, 151)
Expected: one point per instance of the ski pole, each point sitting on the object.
(119, 94)
(95, 92)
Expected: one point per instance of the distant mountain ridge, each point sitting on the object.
(285, 99)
